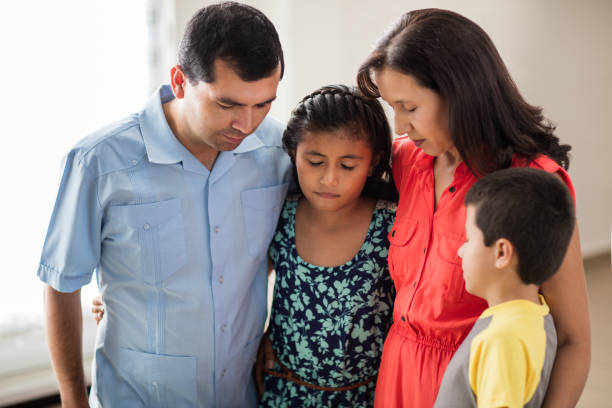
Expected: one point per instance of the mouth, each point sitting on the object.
(234, 138)
(327, 195)
(418, 142)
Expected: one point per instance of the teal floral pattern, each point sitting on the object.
(328, 324)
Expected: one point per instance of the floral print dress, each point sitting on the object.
(328, 324)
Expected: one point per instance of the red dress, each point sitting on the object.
(432, 312)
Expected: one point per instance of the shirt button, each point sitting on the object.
(223, 373)
(393, 233)
(146, 227)
(134, 162)
(452, 189)
(414, 284)
(424, 250)
(223, 328)
(220, 279)
(154, 383)
(403, 318)
(216, 229)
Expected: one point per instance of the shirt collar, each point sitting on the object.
(251, 142)
(161, 144)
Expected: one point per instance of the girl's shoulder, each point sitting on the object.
(387, 206)
(384, 214)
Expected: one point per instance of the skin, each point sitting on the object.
(64, 328)
(206, 118)
(490, 272)
(565, 292)
(211, 117)
(332, 218)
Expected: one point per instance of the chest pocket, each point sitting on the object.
(402, 250)
(157, 230)
(261, 208)
(448, 273)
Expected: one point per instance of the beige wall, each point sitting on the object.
(559, 53)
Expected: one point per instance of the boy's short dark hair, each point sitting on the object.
(238, 34)
(532, 209)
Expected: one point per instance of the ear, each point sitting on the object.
(504, 253)
(177, 80)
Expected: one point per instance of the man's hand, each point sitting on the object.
(64, 336)
(97, 309)
(265, 358)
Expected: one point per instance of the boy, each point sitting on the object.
(518, 227)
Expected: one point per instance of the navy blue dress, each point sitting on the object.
(328, 324)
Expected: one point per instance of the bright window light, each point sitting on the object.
(68, 67)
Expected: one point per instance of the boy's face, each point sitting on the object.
(478, 260)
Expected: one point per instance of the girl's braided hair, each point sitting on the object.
(335, 107)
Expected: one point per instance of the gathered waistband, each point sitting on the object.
(406, 332)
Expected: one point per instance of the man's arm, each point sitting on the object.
(64, 336)
(566, 295)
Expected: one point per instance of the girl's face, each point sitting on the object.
(419, 112)
(332, 168)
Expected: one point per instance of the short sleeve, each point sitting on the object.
(72, 245)
(498, 370)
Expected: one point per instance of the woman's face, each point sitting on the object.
(419, 112)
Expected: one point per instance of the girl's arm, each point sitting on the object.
(566, 294)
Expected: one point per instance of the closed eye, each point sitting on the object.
(223, 106)
(349, 168)
(315, 163)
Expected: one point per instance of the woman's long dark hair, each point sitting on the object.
(489, 121)
(335, 107)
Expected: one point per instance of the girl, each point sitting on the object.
(460, 117)
(333, 295)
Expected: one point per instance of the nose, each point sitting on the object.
(401, 125)
(330, 177)
(460, 251)
(244, 121)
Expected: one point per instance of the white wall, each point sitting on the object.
(558, 52)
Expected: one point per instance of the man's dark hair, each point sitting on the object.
(532, 209)
(489, 121)
(240, 35)
(336, 107)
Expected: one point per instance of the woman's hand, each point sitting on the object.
(265, 358)
(97, 309)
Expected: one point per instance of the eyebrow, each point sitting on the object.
(346, 156)
(229, 101)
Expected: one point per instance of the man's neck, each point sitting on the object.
(204, 153)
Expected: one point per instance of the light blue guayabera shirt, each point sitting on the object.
(180, 254)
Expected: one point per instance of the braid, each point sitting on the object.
(334, 107)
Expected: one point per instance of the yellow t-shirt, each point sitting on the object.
(505, 361)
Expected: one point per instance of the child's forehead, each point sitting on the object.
(340, 139)
(471, 213)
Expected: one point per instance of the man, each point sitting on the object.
(174, 207)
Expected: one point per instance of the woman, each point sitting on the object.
(460, 116)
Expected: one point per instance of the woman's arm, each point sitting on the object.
(566, 294)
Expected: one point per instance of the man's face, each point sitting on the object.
(221, 114)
